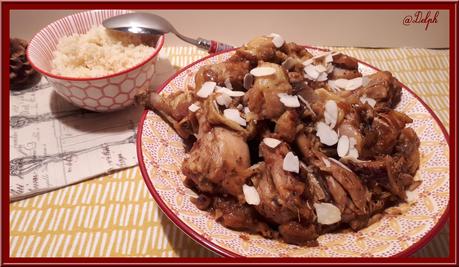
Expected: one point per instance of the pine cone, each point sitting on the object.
(22, 75)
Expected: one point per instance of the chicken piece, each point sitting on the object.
(261, 49)
(382, 136)
(270, 206)
(385, 172)
(339, 73)
(217, 162)
(350, 127)
(382, 87)
(263, 99)
(286, 125)
(298, 234)
(358, 192)
(233, 71)
(408, 148)
(241, 217)
(337, 192)
(296, 52)
(289, 188)
(172, 108)
(345, 62)
(345, 67)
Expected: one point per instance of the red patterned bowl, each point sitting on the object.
(106, 93)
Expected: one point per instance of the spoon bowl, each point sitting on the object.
(151, 24)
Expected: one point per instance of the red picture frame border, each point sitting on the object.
(451, 6)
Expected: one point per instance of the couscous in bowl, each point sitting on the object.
(107, 90)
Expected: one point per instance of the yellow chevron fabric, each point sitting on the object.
(115, 215)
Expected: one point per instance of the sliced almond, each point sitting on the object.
(327, 213)
(330, 68)
(332, 85)
(262, 71)
(328, 58)
(277, 40)
(193, 108)
(311, 71)
(322, 77)
(248, 81)
(308, 61)
(234, 115)
(291, 163)
(251, 195)
(246, 110)
(352, 142)
(353, 153)
(290, 101)
(341, 83)
(223, 100)
(354, 84)
(228, 84)
(271, 142)
(364, 99)
(207, 89)
(320, 68)
(411, 196)
(229, 92)
(343, 146)
(327, 135)
(331, 113)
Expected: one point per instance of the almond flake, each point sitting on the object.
(234, 115)
(353, 153)
(262, 71)
(354, 84)
(251, 195)
(411, 196)
(364, 99)
(331, 113)
(193, 108)
(240, 107)
(291, 163)
(327, 135)
(327, 213)
(229, 92)
(311, 71)
(290, 101)
(248, 81)
(278, 41)
(223, 100)
(340, 164)
(320, 68)
(341, 83)
(328, 58)
(308, 61)
(246, 110)
(332, 85)
(343, 146)
(330, 68)
(271, 142)
(322, 77)
(352, 141)
(207, 89)
(228, 84)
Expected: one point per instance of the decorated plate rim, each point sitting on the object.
(227, 253)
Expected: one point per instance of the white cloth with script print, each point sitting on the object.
(54, 143)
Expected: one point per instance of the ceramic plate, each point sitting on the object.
(161, 152)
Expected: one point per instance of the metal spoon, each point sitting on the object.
(147, 23)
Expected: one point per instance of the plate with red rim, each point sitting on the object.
(161, 152)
